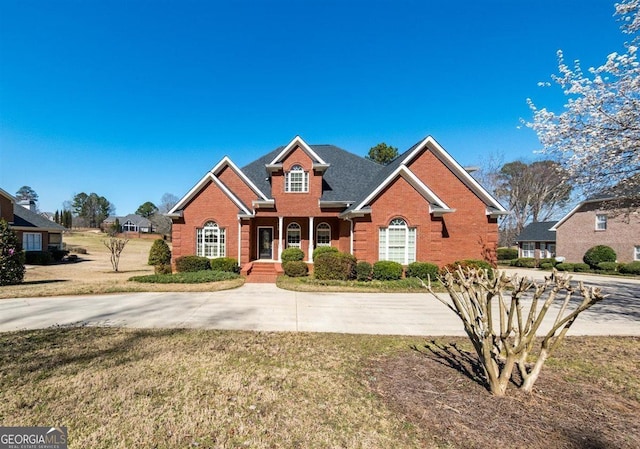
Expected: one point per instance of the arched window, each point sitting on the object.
(293, 235)
(323, 235)
(211, 241)
(296, 180)
(397, 242)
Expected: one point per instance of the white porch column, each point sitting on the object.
(350, 236)
(310, 240)
(280, 224)
(239, 241)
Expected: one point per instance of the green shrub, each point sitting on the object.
(58, 254)
(507, 253)
(608, 266)
(597, 254)
(162, 269)
(11, 258)
(524, 262)
(386, 270)
(189, 277)
(546, 266)
(335, 266)
(295, 268)
(467, 263)
(228, 264)
(159, 254)
(581, 267)
(630, 268)
(422, 270)
(564, 266)
(38, 258)
(191, 264)
(290, 254)
(363, 271)
(550, 260)
(323, 249)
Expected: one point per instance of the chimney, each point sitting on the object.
(28, 204)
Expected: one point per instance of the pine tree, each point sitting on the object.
(159, 254)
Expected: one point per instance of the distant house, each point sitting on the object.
(36, 232)
(423, 206)
(610, 218)
(537, 240)
(130, 223)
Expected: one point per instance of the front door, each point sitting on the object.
(265, 243)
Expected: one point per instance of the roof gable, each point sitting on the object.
(296, 142)
(541, 231)
(23, 217)
(209, 177)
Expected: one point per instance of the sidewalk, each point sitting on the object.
(264, 307)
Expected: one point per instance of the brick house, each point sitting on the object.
(608, 219)
(537, 240)
(35, 232)
(423, 206)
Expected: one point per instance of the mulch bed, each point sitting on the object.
(441, 393)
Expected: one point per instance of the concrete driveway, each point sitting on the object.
(265, 307)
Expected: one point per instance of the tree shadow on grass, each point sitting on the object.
(45, 281)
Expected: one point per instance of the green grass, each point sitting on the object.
(119, 388)
(197, 277)
(409, 285)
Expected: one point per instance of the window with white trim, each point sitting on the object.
(210, 241)
(129, 226)
(636, 253)
(293, 235)
(528, 249)
(397, 242)
(32, 241)
(296, 180)
(601, 222)
(323, 235)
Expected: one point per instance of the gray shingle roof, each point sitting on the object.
(346, 179)
(23, 217)
(538, 232)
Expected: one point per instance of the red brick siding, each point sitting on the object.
(576, 235)
(209, 204)
(239, 188)
(6, 209)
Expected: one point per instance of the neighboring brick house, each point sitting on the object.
(537, 240)
(607, 219)
(423, 206)
(35, 232)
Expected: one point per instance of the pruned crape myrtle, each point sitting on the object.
(502, 315)
(115, 247)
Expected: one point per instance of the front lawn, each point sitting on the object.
(123, 388)
(309, 284)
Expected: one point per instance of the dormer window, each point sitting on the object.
(296, 180)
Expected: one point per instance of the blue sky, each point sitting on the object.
(133, 99)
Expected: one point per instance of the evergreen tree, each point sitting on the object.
(11, 257)
(159, 254)
(382, 153)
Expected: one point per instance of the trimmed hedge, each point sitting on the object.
(188, 277)
(363, 271)
(422, 270)
(608, 266)
(324, 249)
(386, 270)
(564, 266)
(507, 253)
(581, 267)
(630, 268)
(467, 263)
(335, 266)
(191, 264)
(162, 269)
(290, 254)
(524, 262)
(597, 254)
(552, 261)
(295, 268)
(38, 258)
(228, 264)
(546, 266)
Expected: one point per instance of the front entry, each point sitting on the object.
(265, 243)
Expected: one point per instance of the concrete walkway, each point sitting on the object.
(264, 307)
